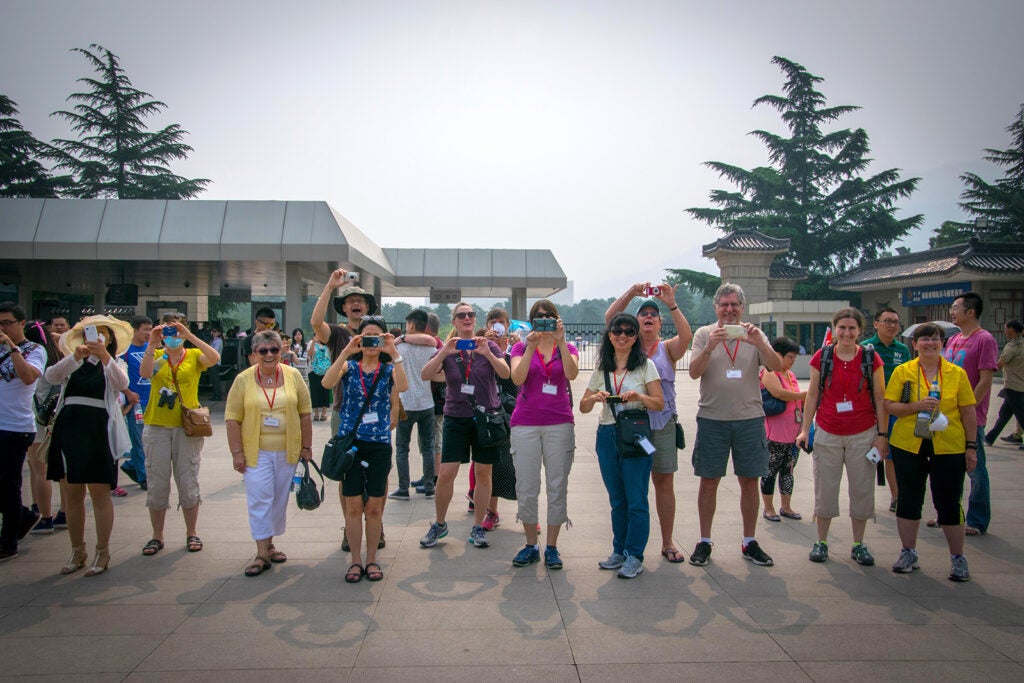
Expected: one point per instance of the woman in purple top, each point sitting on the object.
(542, 430)
(469, 366)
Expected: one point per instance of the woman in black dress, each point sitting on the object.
(89, 433)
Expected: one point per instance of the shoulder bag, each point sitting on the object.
(632, 426)
(195, 421)
(772, 405)
(339, 454)
(307, 497)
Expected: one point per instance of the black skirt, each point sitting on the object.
(80, 449)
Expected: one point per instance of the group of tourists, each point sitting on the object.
(503, 403)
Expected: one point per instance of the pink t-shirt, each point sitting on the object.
(975, 353)
(783, 427)
(534, 407)
(847, 383)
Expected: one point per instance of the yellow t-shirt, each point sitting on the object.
(187, 371)
(247, 406)
(954, 391)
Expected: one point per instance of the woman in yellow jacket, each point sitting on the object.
(268, 419)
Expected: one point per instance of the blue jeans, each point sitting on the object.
(979, 504)
(136, 462)
(626, 480)
(424, 421)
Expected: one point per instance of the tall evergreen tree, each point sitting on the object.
(116, 155)
(21, 172)
(815, 191)
(998, 205)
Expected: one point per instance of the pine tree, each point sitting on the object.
(21, 172)
(116, 155)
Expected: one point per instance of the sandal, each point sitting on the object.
(790, 514)
(374, 574)
(258, 566)
(354, 574)
(672, 555)
(152, 547)
(194, 543)
(772, 517)
(276, 556)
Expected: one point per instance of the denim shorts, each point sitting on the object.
(716, 438)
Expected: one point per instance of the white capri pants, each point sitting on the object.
(550, 445)
(266, 491)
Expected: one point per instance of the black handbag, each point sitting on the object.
(307, 497)
(492, 427)
(680, 437)
(772, 405)
(631, 427)
(339, 454)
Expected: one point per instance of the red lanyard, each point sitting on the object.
(938, 377)
(654, 349)
(467, 363)
(270, 399)
(735, 351)
(546, 367)
(616, 383)
(174, 367)
(362, 382)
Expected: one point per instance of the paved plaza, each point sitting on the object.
(457, 613)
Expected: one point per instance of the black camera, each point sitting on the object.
(167, 400)
(544, 324)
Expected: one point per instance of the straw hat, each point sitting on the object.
(75, 337)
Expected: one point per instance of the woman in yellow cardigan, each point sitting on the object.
(268, 419)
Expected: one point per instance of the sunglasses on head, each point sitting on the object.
(619, 331)
(272, 350)
(462, 315)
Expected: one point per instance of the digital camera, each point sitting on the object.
(371, 341)
(544, 324)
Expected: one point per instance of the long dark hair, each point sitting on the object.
(606, 357)
(35, 331)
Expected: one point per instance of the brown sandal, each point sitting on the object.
(276, 556)
(258, 566)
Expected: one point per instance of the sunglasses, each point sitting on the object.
(619, 331)
(462, 315)
(546, 315)
(648, 313)
(273, 350)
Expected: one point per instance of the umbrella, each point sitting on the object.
(949, 329)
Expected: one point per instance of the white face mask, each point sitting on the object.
(939, 424)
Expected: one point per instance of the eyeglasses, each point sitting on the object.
(620, 331)
(730, 304)
(929, 340)
(9, 321)
(268, 323)
(648, 313)
(273, 350)
(889, 321)
(955, 308)
(462, 315)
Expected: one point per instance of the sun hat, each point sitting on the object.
(75, 337)
(346, 292)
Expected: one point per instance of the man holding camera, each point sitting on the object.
(730, 417)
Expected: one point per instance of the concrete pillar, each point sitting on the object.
(292, 297)
(518, 301)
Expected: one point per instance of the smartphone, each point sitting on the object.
(465, 344)
(544, 324)
(735, 331)
(371, 341)
(90, 333)
(654, 291)
(169, 330)
(613, 400)
(352, 277)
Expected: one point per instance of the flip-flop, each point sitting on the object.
(276, 556)
(354, 576)
(258, 566)
(771, 518)
(791, 515)
(673, 555)
(194, 544)
(373, 575)
(152, 547)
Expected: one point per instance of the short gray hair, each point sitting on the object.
(729, 288)
(266, 338)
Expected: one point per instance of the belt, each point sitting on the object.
(84, 401)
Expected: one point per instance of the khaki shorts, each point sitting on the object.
(666, 457)
(832, 454)
(40, 454)
(169, 451)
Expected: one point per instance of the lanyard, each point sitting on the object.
(734, 353)
(174, 367)
(467, 363)
(617, 383)
(938, 377)
(270, 399)
(546, 367)
(654, 349)
(363, 383)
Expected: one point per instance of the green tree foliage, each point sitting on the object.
(815, 191)
(116, 155)
(21, 173)
(997, 207)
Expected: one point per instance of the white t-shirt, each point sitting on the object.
(634, 380)
(415, 356)
(16, 411)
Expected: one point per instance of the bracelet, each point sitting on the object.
(885, 434)
(306, 448)
(972, 444)
(397, 360)
(674, 308)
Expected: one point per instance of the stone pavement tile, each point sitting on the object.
(267, 618)
(668, 615)
(584, 581)
(1007, 639)
(936, 642)
(920, 672)
(720, 672)
(337, 675)
(74, 655)
(720, 640)
(983, 610)
(107, 591)
(17, 593)
(529, 616)
(866, 610)
(799, 577)
(133, 567)
(283, 587)
(433, 587)
(93, 620)
(463, 648)
(469, 674)
(285, 649)
(932, 581)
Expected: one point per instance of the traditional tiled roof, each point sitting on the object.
(972, 257)
(784, 271)
(747, 239)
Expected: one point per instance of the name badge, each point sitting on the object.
(271, 422)
(734, 373)
(646, 445)
(549, 389)
(370, 418)
(844, 406)
(468, 389)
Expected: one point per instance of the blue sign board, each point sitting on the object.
(934, 294)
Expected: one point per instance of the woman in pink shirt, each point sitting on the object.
(782, 430)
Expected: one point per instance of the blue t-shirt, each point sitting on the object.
(356, 383)
(133, 358)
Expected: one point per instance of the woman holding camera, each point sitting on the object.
(89, 434)
(851, 421)
(372, 374)
(932, 440)
(624, 379)
(174, 373)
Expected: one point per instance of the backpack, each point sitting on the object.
(867, 369)
(321, 359)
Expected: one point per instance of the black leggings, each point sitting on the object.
(946, 475)
(781, 461)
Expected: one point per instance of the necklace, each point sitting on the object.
(270, 380)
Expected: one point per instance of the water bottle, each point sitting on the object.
(932, 393)
(297, 477)
(138, 413)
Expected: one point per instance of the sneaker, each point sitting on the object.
(8, 554)
(753, 552)
(990, 442)
(472, 505)
(631, 568)
(862, 555)
(419, 488)
(399, 494)
(819, 552)
(130, 472)
(28, 522)
(958, 570)
(701, 554)
(478, 536)
(416, 484)
(614, 561)
(34, 508)
(60, 521)
(43, 526)
(552, 560)
(144, 486)
(526, 557)
(434, 534)
(1012, 438)
(491, 520)
(119, 492)
(428, 491)
(906, 562)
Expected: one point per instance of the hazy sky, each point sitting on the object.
(575, 126)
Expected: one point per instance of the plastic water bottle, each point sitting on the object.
(138, 413)
(297, 477)
(932, 393)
